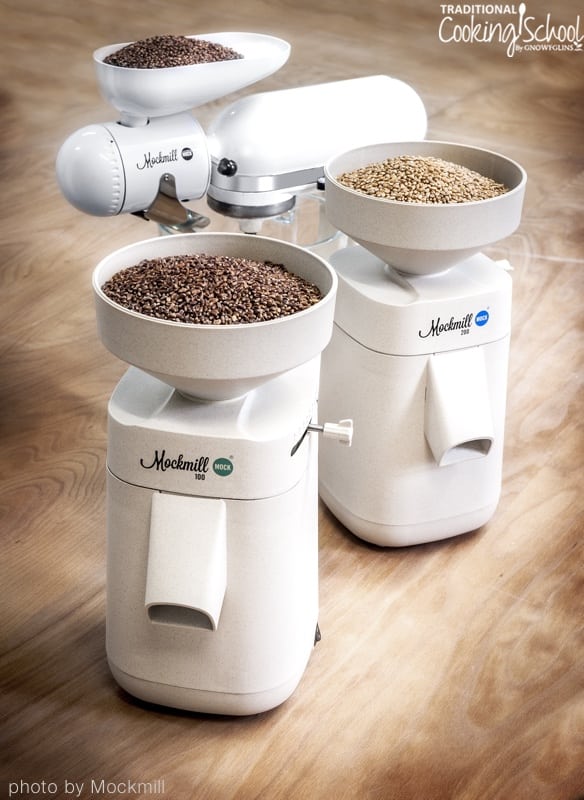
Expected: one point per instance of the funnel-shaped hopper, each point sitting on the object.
(422, 238)
(216, 362)
(171, 90)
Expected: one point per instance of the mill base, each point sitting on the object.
(212, 568)
(420, 365)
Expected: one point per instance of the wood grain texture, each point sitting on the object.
(448, 671)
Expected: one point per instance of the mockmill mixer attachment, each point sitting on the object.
(259, 153)
(155, 157)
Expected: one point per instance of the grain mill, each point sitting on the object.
(419, 352)
(212, 577)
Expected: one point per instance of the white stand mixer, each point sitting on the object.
(419, 352)
(212, 577)
(256, 156)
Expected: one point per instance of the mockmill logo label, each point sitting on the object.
(508, 25)
(151, 161)
(437, 327)
(223, 467)
(161, 462)
(462, 325)
(198, 466)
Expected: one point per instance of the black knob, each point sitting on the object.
(227, 167)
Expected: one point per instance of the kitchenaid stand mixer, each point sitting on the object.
(257, 155)
(419, 352)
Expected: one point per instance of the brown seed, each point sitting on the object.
(211, 290)
(158, 52)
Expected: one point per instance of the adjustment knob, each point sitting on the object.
(227, 167)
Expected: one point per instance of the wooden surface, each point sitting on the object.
(449, 670)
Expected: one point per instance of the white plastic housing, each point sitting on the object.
(420, 364)
(216, 362)
(271, 133)
(256, 657)
(277, 138)
(212, 574)
(422, 238)
(187, 561)
(170, 90)
(111, 168)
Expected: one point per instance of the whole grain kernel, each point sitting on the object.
(422, 179)
(158, 52)
(211, 290)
